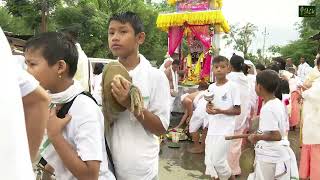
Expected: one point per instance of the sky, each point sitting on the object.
(279, 17)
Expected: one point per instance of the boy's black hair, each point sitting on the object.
(261, 67)
(176, 62)
(269, 80)
(274, 67)
(203, 85)
(318, 61)
(218, 59)
(129, 17)
(237, 63)
(281, 62)
(245, 69)
(98, 68)
(55, 46)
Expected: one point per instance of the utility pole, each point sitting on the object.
(265, 34)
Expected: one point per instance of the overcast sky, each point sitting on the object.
(278, 16)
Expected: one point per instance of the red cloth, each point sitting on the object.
(310, 161)
(294, 118)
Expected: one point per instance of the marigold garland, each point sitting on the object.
(164, 21)
(217, 3)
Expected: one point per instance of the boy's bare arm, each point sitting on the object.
(36, 112)
(151, 123)
(266, 136)
(233, 111)
(80, 169)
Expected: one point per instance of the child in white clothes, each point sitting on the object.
(75, 147)
(222, 112)
(272, 160)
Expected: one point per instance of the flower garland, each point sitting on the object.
(164, 21)
(217, 3)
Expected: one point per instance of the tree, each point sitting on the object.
(13, 24)
(304, 46)
(274, 50)
(92, 16)
(241, 37)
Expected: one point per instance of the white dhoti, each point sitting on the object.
(199, 116)
(196, 121)
(216, 157)
(266, 171)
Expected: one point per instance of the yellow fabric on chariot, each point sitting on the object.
(164, 21)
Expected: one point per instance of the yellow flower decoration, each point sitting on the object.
(164, 21)
(172, 2)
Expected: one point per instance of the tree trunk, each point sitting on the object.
(44, 16)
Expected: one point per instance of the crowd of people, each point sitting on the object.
(50, 120)
(279, 97)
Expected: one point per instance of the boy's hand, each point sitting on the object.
(120, 90)
(55, 125)
(253, 138)
(212, 110)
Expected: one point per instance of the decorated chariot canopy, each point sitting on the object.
(200, 21)
(194, 12)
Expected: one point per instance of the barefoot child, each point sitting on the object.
(75, 147)
(272, 158)
(134, 142)
(222, 113)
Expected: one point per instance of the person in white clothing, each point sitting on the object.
(272, 160)
(222, 114)
(75, 144)
(242, 81)
(96, 82)
(303, 69)
(134, 142)
(189, 103)
(172, 75)
(166, 63)
(23, 115)
(84, 72)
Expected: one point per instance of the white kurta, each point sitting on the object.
(303, 71)
(135, 150)
(15, 159)
(83, 74)
(311, 114)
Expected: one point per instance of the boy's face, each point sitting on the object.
(40, 69)
(122, 39)
(221, 69)
(258, 89)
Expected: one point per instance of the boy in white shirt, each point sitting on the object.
(272, 158)
(134, 142)
(75, 147)
(222, 113)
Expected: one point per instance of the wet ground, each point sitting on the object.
(178, 164)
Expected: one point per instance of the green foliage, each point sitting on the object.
(13, 24)
(242, 37)
(299, 48)
(24, 17)
(304, 46)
